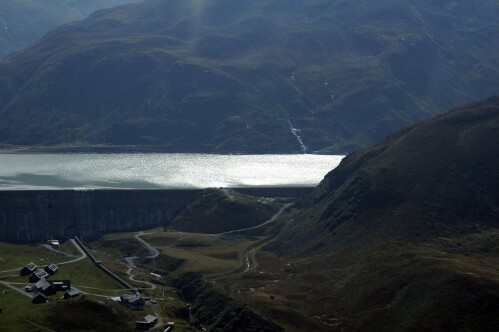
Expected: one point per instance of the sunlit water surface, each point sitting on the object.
(161, 171)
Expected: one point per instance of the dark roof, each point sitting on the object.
(38, 275)
(41, 274)
(45, 287)
(72, 292)
(31, 266)
(132, 298)
(39, 297)
(147, 319)
(42, 284)
(52, 267)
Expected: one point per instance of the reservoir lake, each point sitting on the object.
(161, 171)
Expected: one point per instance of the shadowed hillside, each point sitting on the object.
(217, 211)
(404, 236)
(437, 177)
(23, 21)
(249, 75)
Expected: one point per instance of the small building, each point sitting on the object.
(39, 298)
(44, 287)
(35, 277)
(54, 243)
(145, 323)
(71, 294)
(61, 285)
(133, 301)
(29, 269)
(51, 269)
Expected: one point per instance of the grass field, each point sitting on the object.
(200, 253)
(211, 255)
(17, 256)
(95, 311)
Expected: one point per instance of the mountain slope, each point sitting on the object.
(249, 75)
(23, 21)
(216, 211)
(404, 236)
(438, 176)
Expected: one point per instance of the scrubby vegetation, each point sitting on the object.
(233, 76)
(222, 210)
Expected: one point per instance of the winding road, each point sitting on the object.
(271, 220)
(248, 263)
(153, 253)
(249, 260)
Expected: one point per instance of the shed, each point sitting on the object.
(145, 323)
(29, 269)
(35, 277)
(51, 269)
(39, 298)
(43, 286)
(71, 293)
(54, 243)
(61, 285)
(133, 301)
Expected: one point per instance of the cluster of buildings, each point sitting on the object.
(42, 286)
(137, 302)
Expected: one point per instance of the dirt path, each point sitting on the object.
(249, 261)
(227, 193)
(265, 223)
(271, 220)
(11, 285)
(153, 253)
(82, 253)
(19, 290)
(159, 324)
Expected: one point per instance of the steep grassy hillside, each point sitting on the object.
(437, 177)
(249, 75)
(217, 211)
(23, 21)
(404, 236)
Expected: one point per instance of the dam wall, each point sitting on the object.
(39, 215)
(27, 216)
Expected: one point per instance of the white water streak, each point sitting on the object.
(296, 133)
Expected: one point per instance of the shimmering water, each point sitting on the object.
(157, 171)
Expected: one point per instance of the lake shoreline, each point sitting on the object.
(144, 149)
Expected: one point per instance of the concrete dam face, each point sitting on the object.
(39, 215)
(28, 216)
